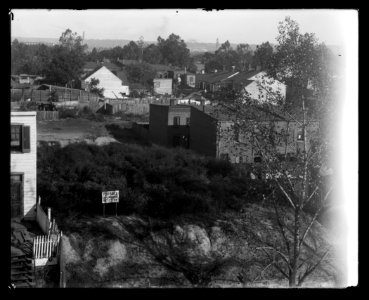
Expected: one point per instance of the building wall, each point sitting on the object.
(239, 150)
(163, 86)
(271, 85)
(26, 163)
(190, 80)
(112, 84)
(183, 112)
(159, 124)
(211, 137)
(203, 133)
(182, 130)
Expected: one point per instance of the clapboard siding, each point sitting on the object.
(26, 163)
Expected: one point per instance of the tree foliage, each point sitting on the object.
(263, 55)
(296, 182)
(93, 87)
(174, 50)
(154, 181)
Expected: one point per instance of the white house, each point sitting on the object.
(263, 88)
(163, 86)
(23, 164)
(114, 87)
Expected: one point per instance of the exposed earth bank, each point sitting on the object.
(231, 250)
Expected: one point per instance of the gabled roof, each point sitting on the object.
(121, 74)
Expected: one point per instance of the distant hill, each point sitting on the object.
(108, 43)
(194, 46)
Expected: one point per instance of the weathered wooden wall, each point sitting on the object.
(26, 163)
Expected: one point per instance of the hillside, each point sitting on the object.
(132, 251)
(111, 43)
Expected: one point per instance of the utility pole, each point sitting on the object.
(217, 45)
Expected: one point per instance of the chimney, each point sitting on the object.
(233, 67)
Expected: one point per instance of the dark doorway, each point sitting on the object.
(180, 141)
(16, 195)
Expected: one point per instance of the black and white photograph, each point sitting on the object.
(183, 148)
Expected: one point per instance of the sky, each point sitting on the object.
(331, 26)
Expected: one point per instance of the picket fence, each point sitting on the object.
(46, 248)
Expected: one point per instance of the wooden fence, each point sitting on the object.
(47, 225)
(46, 249)
(61, 95)
(46, 115)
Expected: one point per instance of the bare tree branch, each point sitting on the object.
(310, 197)
(311, 269)
(282, 227)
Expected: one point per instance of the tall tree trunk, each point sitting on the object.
(296, 249)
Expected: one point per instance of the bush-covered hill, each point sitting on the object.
(152, 181)
(183, 219)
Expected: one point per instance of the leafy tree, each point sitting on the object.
(174, 50)
(263, 55)
(245, 56)
(211, 63)
(29, 59)
(93, 55)
(141, 44)
(152, 54)
(131, 51)
(140, 73)
(67, 60)
(93, 87)
(226, 56)
(294, 185)
(72, 41)
(297, 62)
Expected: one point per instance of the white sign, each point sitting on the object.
(110, 197)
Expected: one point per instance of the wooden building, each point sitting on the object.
(23, 164)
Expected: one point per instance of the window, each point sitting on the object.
(20, 138)
(257, 157)
(188, 121)
(176, 121)
(300, 135)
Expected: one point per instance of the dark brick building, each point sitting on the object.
(213, 133)
(169, 125)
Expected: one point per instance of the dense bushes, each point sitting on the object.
(151, 180)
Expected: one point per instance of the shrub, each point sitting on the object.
(153, 181)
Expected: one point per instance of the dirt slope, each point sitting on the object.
(129, 251)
